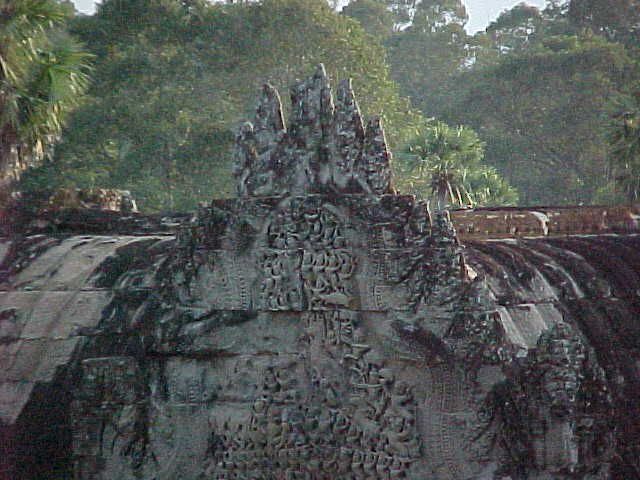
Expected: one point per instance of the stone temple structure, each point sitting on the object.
(318, 326)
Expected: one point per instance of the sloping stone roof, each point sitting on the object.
(48, 306)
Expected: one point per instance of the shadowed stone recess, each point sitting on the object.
(317, 327)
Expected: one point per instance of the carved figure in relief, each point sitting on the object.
(325, 276)
(341, 425)
(383, 466)
(325, 421)
(397, 469)
(357, 464)
(342, 437)
(401, 437)
(356, 352)
(402, 399)
(353, 434)
(344, 460)
(279, 290)
(369, 465)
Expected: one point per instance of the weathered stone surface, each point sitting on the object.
(318, 327)
(510, 222)
(325, 148)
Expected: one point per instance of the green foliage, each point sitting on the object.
(537, 86)
(437, 16)
(445, 164)
(374, 16)
(174, 78)
(516, 29)
(624, 140)
(542, 112)
(426, 56)
(169, 94)
(43, 75)
(616, 20)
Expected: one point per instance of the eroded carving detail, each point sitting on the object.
(363, 430)
(324, 149)
(108, 416)
(562, 399)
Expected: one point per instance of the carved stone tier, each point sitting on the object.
(313, 252)
(325, 148)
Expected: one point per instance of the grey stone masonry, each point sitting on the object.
(325, 149)
(317, 327)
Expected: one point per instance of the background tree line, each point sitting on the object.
(553, 93)
(542, 106)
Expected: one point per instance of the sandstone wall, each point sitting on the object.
(316, 327)
(484, 223)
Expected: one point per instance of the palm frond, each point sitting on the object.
(447, 162)
(58, 79)
(43, 74)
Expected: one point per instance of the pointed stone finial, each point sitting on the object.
(311, 108)
(345, 97)
(348, 133)
(326, 107)
(310, 130)
(320, 73)
(269, 122)
(258, 148)
(375, 163)
(245, 158)
(326, 147)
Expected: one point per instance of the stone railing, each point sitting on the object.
(508, 222)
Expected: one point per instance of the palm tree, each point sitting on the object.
(445, 163)
(43, 75)
(448, 185)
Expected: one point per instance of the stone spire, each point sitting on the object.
(269, 122)
(324, 149)
(245, 159)
(310, 126)
(348, 135)
(375, 163)
(257, 144)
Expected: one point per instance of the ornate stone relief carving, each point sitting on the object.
(365, 428)
(108, 417)
(344, 332)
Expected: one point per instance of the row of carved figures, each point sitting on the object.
(364, 431)
(325, 271)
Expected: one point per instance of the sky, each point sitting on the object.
(481, 12)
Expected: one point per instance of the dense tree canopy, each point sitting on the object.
(428, 54)
(624, 140)
(551, 93)
(374, 15)
(174, 79)
(543, 114)
(43, 74)
(615, 19)
(539, 87)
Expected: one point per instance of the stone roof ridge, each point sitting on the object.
(324, 149)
